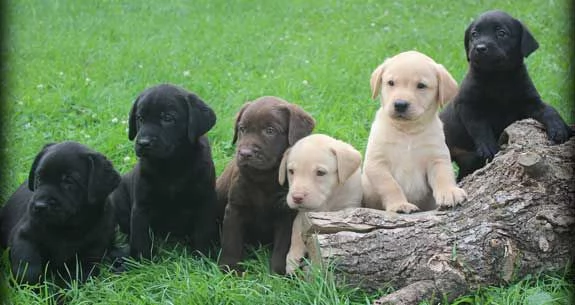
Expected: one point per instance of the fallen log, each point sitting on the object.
(519, 219)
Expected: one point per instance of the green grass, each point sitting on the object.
(74, 68)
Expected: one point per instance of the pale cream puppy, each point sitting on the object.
(407, 165)
(324, 174)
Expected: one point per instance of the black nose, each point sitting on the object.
(41, 205)
(400, 105)
(144, 142)
(481, 48)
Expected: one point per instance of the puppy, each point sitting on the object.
(495, 92)
(59, 219)
(171, 189)
(407, 166)
(255, 207)
(324, 175)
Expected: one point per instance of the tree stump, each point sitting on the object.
(518, 219)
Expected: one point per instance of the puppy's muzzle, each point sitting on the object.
(246, 154)
(42, 206)
(481, 48)
(400, 106)
(298, 197)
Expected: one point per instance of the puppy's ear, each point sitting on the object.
(132, 120)
(102, 177)
(32, 173)
(528, 42)
(238, 118)
(201, 118)
(466, 38)
(375, 80)
(348, 160)
(301, 124)
(447, 86)
(282, 174)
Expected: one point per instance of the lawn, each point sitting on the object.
(74, 67)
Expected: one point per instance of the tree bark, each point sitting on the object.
(518, 219)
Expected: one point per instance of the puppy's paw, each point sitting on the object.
(449, 197)
(487, 151)
(558, 132)
(401, 207)
(293, 262)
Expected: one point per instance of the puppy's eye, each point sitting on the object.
(241, 129)
(501, 33)
(320, 172)
(67, 182)
(270, 131)
(139, 118)
(474, 34)
(290, 171)
(390, 83)
(421, 86)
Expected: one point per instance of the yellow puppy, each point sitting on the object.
(407, 165)
(324, 175)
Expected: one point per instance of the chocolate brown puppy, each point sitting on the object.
(59, 218)
(256, 211)
(495, 92)
(171, 190)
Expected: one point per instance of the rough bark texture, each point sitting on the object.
(519, 219)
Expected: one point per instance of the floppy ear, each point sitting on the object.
(528, 42)
(466, 39)
(375, 81)
(103, 178)
(32, 173)
(301, 124)
(447, 86)
(282, 173)
(348, 160)
(132, 124)
(201, 118)
(238, 118)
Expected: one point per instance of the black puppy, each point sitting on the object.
(496, 92)
(171, 190)
(60, 216)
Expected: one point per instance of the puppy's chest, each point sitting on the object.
(407, 161)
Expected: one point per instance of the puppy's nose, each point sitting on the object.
(400, 105)
(481, 48)
(40, 205)
(144, 142)
(245, 153)
(297, 198)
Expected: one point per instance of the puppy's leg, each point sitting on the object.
(480, 131)
(206, 227)
(297, 248)
(232, 239)
(557, 130)
(140, 241)
(389, 191)
(26, 261)
(282, 238)
(442, 181)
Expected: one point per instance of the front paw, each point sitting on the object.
(401, 207)
(487, 151)
(293, 263)
(558, 132)
(449, 197)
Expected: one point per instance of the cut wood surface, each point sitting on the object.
(519, 219)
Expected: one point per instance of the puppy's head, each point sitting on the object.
(315, 167)
(497, 41)
(265, 128)
(70, 183)
(165, 118)
(412, 86)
